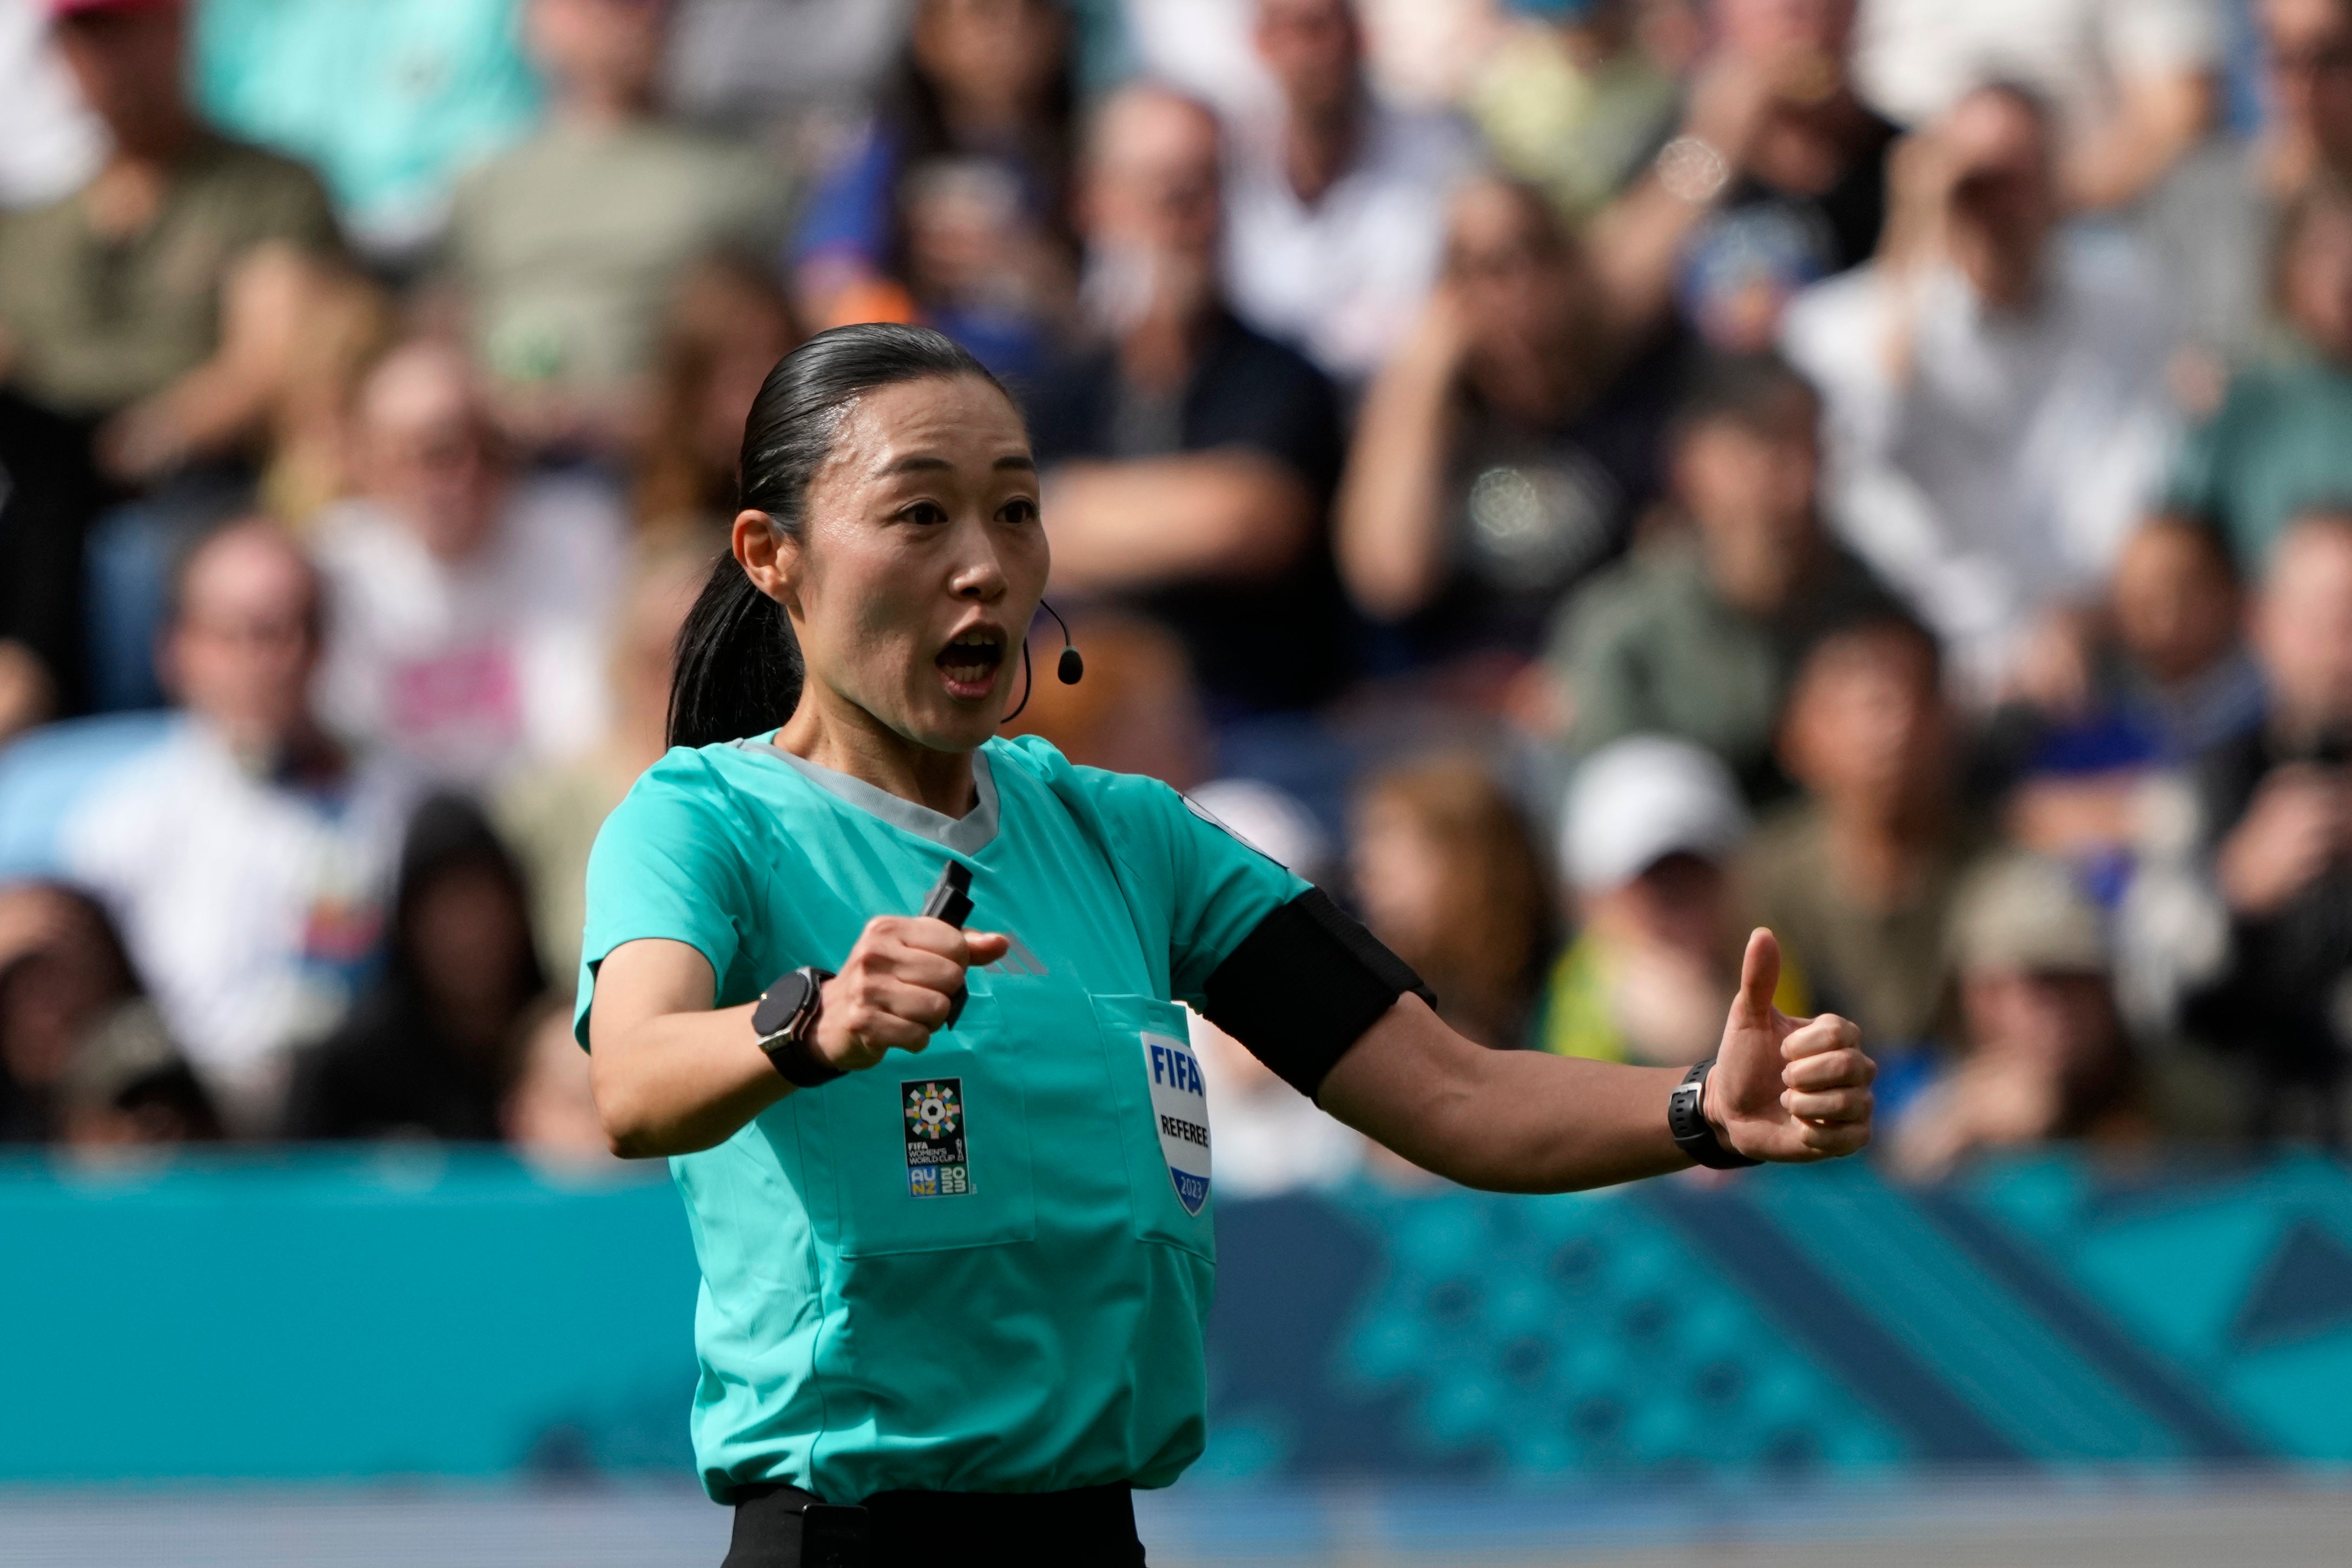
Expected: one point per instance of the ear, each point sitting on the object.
(769, 557)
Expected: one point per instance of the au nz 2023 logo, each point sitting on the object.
(1180, 1112)
(937, 1163)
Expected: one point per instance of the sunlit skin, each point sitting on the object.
(920, 529)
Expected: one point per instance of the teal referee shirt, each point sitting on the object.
(984, 1266)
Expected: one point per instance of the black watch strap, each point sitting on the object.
(1694, 1134)
(785, 1020)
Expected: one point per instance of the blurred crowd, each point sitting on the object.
(1577, 477)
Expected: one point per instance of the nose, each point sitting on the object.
(980, 577)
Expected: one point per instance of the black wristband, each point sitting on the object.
(1694, 1134)
(795, 1058)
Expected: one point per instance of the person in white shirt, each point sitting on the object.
(247, 855)
(1335, 210)
(1995, 411)
(469, 604)
(2133, 80)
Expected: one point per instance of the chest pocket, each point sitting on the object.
(1163, 1117)
(931, 1151)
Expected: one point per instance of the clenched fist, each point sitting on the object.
(896, 987)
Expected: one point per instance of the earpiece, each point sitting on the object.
(1069, 669)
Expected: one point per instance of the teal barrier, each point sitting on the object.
(419, 1314)
(331, 1316)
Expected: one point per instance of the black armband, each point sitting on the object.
(1304, 987)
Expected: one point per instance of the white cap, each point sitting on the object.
(1637, 801)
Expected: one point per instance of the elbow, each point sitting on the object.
(632, 1142)
(630, 1132)
(628, 1140)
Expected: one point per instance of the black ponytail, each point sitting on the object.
(738, 670)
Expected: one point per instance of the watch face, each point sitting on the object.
(782, 1001)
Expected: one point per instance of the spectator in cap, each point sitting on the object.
(1698, 635)
(1650, 828)
(2041, 1050)
(141, 317)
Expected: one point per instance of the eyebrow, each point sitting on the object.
(920, 464)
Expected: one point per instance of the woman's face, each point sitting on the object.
(997, 53)
(922, 561)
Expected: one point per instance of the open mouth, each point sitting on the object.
(969, 663)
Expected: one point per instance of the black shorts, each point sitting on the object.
(1093, 1526)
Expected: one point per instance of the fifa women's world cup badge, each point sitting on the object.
(936, 1164)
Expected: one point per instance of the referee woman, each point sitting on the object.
(948, 1186)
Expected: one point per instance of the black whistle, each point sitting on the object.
(950, 900)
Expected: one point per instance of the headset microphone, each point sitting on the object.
(1069, 669)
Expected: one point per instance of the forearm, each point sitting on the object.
(1389, 522)
(222, 401)
(1506, 1121)
(1637, 242)
(2160, 117)
(1141, 524)
(1554, 1124)
(677, 1083)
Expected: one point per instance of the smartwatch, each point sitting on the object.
(785, 1021)
(1694, 1134)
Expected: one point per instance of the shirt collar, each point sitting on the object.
(966, 835)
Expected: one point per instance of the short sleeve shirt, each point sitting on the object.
(100, 322)
(983, 1266)
(1256, 646)
(568, 245)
